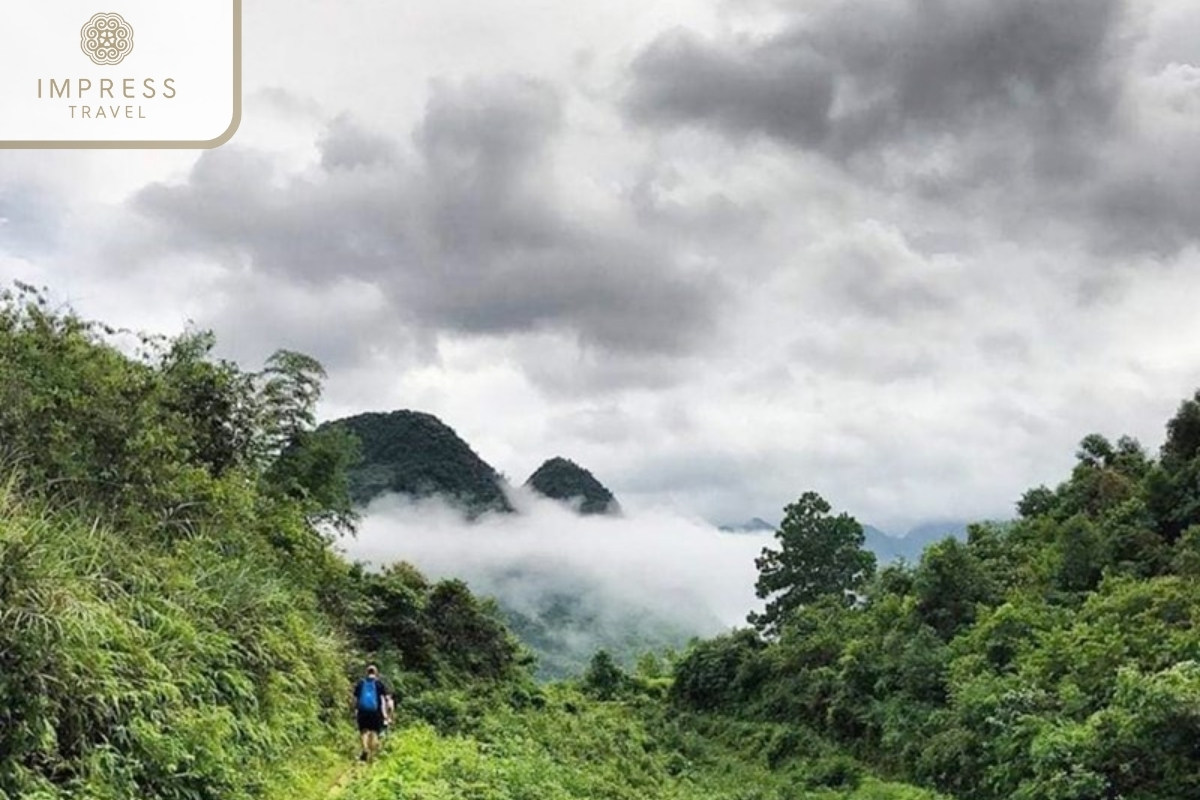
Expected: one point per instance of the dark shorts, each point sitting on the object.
(370, 721)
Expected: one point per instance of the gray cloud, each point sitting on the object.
(463, 232)
(1149, 207)
(951, 238)
(841, 78)
(787, 92)
(345, 145)
(1031, 113)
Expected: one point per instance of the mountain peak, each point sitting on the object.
(416, 454)
(564, 480)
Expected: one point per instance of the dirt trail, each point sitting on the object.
(355, 770)
(344, 780)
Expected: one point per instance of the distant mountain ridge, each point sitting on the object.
(415, 454)
(754, 526)
(886, 547)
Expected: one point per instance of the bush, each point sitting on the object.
(604, 680)
(718, 672)
(836, 772)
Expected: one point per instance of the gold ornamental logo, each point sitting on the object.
(107, 39)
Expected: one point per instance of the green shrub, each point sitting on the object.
(837, 772)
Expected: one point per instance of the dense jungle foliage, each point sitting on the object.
(1056, 657)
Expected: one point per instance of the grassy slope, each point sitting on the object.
(187, 670)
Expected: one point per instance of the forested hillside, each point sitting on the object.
(161, 567)
(1053, 658)
(565, 619)
(416, 454)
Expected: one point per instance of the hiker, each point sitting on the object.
(372, 705)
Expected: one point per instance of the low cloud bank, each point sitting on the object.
(657, 562)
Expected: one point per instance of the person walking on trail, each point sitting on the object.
(372, 704)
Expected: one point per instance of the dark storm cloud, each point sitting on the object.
(1026, 113)
(466, 231)
(844, 77)
(884, 282)
(1151, 208)
(783, 91)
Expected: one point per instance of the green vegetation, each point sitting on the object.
(572, 746)
(819, 556)
(175, 625)
(562, 479)
(1053, 658)
(439, 634)
(416, 454)
(567, 621)
(159, 590)
(173, 621)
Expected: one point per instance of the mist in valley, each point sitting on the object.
(572, 584)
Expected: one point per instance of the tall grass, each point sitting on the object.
(130, 667)
(573, 748)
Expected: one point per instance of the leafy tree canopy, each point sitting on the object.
(819, 554)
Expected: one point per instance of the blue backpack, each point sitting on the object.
(368, 695)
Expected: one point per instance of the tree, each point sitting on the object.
(1183, 434)
(1186, 560)
(214, 396)
(819, 555)
(291, 387)
(470, 635)
(604, 680)
(1036, 502)
(718, 672)
(1095, 450)
(313, 471)
(1172, 487)
(949, 583)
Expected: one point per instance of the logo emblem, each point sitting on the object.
(107, 39)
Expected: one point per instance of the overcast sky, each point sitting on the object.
(902, 252)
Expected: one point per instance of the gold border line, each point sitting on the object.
(151, 144)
